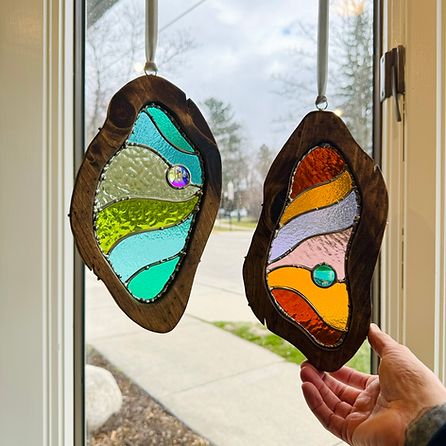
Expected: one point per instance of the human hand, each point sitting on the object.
(372, 410)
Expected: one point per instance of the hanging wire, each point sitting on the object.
(183, 14)
(151, 36)
(322, 55)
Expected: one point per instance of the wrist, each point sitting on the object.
(425, 425)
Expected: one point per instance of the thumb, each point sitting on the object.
(379, 340)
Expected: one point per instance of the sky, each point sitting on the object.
(241, 46)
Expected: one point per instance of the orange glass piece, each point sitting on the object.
(320, 165)
(302, 312)
(317, 197)
(330, 303)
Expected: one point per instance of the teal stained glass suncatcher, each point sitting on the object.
(145, 200)
(142, 217)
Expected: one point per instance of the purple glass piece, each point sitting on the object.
(178, 176)
(334, 218)
(329, 248)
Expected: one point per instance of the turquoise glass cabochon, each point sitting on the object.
(146, 202)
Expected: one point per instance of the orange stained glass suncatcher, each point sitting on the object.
(310, 264)
(306, 264)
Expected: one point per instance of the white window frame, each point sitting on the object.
(414, 164)
(36, 178)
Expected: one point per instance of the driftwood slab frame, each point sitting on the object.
(163, 314)
(318, 128)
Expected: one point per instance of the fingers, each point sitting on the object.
(332, 422)
(379, 340)
(342, 391)
(338, 406)
(352, 377)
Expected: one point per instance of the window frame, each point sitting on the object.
(413, 267)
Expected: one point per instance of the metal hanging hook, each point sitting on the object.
(150, 66)
(321, 103)
(322, 54)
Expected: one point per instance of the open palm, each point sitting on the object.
(369, 410)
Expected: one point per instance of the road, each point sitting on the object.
(218, 292)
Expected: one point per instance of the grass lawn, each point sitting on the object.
(223, 224)
(258, 334)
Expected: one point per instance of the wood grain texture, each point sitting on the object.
(163, 314)
(318, 128)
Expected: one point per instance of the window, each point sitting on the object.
(251, 70)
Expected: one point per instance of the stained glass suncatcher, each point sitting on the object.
(309, 267)
(145, 200)
(306, 263)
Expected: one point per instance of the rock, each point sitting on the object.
(103, 398)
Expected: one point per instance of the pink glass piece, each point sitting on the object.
(327, 248)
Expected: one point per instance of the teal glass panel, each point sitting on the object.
(168, 129)
(146, 201)
(138, 172)
(139, 250)
(146, 133)
(148, 283)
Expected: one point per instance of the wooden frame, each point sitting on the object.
(163, 314)
(316, 128)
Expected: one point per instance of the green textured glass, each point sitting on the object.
(148, 283)
(138, 172)
(137, 215)
(323, 275)
(168, 129)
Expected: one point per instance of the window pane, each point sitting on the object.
(251, 68)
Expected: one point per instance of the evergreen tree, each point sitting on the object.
(353, 44)
(227, 133)
(350, 80)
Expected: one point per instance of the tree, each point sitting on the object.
(353, 39)
(350, 65)
(257, 174)
(115, 55)
(264, 160)
(227, 133)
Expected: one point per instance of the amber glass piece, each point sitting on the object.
(302, 312)
(330, 303)
(320, 165)
(318, 197)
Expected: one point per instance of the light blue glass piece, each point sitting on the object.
(148, 283)
(334, 218)
(139, 250)
(146, 133)
(168, 129)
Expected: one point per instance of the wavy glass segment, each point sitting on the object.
(124, 178)
(142, 219)
(305, 271)
(147, 134)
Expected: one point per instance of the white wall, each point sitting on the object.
(36, 251)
